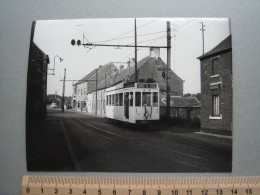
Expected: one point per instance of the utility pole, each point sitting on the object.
(136, 75)
(202, 29)
(168, 68)
(105, 80)
(63, 91)
(96, 89)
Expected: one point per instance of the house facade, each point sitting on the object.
(216, 89)
(82, 97)
(36, 81)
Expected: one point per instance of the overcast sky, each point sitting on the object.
(54, 37)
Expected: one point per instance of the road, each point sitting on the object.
(73, 141)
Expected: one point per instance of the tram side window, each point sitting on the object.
(113, 99)
(120, 99)
(146, 98)
(137, 98)
(107, 99)
(117, 101)
(155, 98)
(131, 97)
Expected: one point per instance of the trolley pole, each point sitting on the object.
(168, 68)
(136, 75)
(96, 89)
(63, 91)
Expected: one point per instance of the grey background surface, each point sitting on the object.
(15, 21)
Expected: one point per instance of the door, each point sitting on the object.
(126, 105)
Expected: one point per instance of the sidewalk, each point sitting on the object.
(86, 113)
(209, 140)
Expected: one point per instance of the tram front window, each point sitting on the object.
(137, 98)
(155, 98)
(146, 98)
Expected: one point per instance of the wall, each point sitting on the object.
(190, 114)
(224, 125)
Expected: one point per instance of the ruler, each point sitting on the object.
(140, 186)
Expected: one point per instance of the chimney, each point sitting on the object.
(100, 66)
(155, 52)
(121, 67)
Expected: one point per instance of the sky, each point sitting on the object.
(54, 37)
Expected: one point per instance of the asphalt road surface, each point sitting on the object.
(73, 141)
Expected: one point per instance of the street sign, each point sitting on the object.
(162, 68)
(52, 185)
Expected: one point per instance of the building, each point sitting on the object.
(216, 89)
(109, 75)
(83, 88)
(36, 81)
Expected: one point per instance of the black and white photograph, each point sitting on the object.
(130, 95)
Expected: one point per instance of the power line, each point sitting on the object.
(127, 37)
(81, 60)
(137, 28)
(140, 49)
(152, 39)
(184, 24)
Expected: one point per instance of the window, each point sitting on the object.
(155, 98)
(215, 105)
(113, 99)
(120, 99)
(131, 97)
(84, 91)
(109, 100)
(146, 98)
(137, 98)
(215, 66)
(79, 92)
(117, 100)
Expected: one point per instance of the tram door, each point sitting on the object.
(126, 105)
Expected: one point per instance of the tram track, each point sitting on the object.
(185, 158)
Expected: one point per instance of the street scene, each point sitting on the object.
(130, 95)
(83, 142)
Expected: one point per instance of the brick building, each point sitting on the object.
(36, 81)
(216, 89)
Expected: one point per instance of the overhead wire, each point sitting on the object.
(137, 28)
(127, 37)
(141, 48)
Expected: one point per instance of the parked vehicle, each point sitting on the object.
(54, 105)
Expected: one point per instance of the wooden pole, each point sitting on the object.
(63, 91)
(168, 68)
(96, 89)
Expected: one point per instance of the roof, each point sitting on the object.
(93, 73)
(224, 45)
(88, 76)
(181, 102)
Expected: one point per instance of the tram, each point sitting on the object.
(133, 102)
